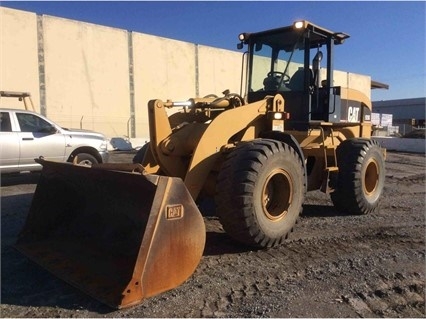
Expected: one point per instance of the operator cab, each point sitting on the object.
(288, 61)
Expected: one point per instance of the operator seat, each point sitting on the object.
(297, 81)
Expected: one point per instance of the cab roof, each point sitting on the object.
(289, 34)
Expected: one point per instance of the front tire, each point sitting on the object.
(361, 177)
(260, 191)
(86, 159)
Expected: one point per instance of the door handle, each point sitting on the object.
(28, 139)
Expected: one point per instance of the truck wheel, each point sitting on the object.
(260, 191)
(361, 177)
(86, 159)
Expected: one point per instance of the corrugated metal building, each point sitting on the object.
(404, 111)
(403, 115)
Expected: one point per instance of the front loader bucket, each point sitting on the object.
(118, 236)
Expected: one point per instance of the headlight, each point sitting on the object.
(299, 24)
(278, 116)
(104, 146)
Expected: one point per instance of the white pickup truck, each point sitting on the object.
(26, 135)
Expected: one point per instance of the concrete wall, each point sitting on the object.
(87, 79)
(101, 78)
(18, 54)
(163, 69)
(354, 81)
(410, 145)
(219, 70)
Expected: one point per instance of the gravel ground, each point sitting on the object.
(331, 266)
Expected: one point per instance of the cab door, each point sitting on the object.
(37, 138)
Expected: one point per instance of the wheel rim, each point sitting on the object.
(371, 178)
(86, 163)
(277, 195)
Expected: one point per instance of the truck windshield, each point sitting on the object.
(277, 65)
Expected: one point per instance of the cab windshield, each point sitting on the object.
(277, 65)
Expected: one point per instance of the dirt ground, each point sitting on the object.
(331, 266)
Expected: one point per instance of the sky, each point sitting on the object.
(387, 38)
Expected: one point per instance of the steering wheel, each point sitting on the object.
(277, 74)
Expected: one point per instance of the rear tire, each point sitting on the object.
(361, 177)
(260, 191)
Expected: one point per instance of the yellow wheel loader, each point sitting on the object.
(124, 232)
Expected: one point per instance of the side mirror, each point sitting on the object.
(48, 130)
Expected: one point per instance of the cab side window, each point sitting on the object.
(5, 125)
(31, 123)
